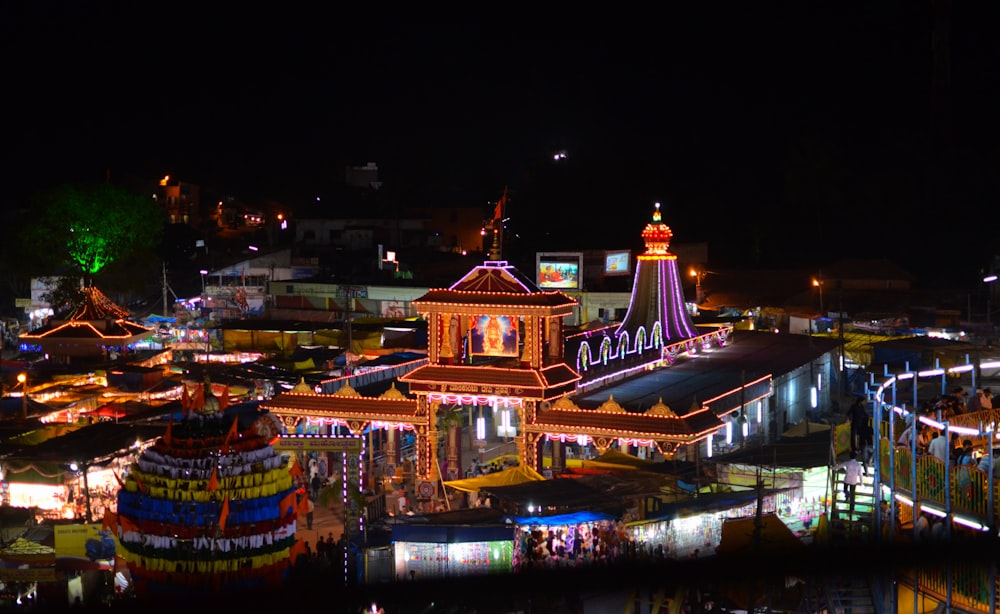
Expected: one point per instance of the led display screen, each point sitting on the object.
(618, 263)
(494, 336)
(560, 271)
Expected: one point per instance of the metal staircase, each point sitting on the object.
(852, 522)
(850, 595)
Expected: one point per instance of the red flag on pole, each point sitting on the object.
(213, 482)
(120, 483)
(185, 400)
(498, 212)
(224, 398)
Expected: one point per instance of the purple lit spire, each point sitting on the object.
(657, 304)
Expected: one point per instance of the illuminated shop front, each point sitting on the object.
(438, 551)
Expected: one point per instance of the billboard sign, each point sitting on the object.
(559, 270)
(617, 262)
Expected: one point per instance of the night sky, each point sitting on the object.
(783, 137)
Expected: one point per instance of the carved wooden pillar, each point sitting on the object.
(558, 456)
(426, 440)
(453, 452)
(392, 447)
(434, 338)
(529, 357)
(555, 338)
(528, 447)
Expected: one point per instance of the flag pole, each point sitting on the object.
(496, 251)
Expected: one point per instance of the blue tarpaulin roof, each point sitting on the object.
(561, 519)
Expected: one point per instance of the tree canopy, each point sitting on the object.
(92, 226)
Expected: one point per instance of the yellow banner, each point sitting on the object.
(86, 542)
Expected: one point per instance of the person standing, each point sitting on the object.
(853, 470)
(858, 415)
(939, 446)
(316, 484)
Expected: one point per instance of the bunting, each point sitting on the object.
(224, 514)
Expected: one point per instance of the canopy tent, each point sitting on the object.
(44, 433)
(108, 410)
(508, 477)
(613, 459)
(738, 536)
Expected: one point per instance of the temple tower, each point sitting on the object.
(656, 312)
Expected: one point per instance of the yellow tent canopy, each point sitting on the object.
(613, 459)
(508, 477)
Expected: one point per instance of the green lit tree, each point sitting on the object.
(92, 226)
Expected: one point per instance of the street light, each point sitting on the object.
(22, 378)
(819, 284)
(698, 274)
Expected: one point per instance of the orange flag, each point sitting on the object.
(213, 482)
(127, 525)
(498, 212)
(120, 483)
(185, 400)
(233, 430)
(224, 514)
(296, 469)
(287, 505)
(199, 400)
(302, 507)
(110, 522)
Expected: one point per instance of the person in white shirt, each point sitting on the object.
(853, 470)
(939, 446)
(985, 463)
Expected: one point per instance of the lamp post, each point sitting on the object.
(22, 378)
(819, 284)
(699, 274)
